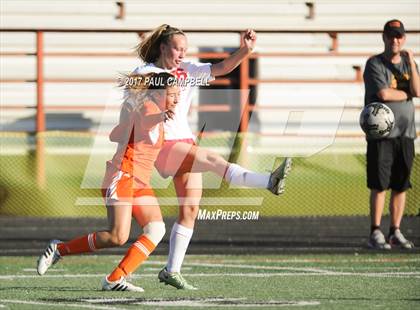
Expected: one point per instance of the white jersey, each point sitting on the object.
(178, 127)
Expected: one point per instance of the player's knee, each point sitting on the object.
(118, 238)
(191, 202)
(189, 212)
(155, 231)
(212, 157)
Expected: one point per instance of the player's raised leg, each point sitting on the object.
(184, 158)
(191, 158)
(277, 181)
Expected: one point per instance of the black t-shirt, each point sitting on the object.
(379, 74)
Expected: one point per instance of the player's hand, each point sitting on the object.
(249, 39)
(409, 54)
(168, 114)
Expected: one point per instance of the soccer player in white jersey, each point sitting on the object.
(165, 50)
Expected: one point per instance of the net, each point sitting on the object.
(46, 179)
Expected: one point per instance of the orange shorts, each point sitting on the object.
(119, 186)
(164, 154)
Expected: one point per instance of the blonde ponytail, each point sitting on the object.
(149, 49)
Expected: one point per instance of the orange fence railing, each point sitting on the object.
(245, 80)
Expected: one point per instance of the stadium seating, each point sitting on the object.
(218, 14)
(77, 14)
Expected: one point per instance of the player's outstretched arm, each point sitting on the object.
(248, 41)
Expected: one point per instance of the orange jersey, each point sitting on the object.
(140, 137)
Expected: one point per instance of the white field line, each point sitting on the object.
(197, 304)
(242, 266)
(315, 260)
(374, 268)
(252, 275)
(38, 303)
(310, 271)
(204, 303)
(159, 269)
(316, 270)
(222, 261)
(105, 300)
(34, 270)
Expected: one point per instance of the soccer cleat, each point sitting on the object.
(398, 240)
(377, 241)
(120, 285)
(174, 279)
(278, 177)
(50, 257)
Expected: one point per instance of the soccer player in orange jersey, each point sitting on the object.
(149, 102)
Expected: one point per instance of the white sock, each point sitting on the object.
(178, 244)
(237, 175)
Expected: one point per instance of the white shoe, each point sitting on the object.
(50, 257)
(120, 285)
(377, 241)
(278, 177)
(398, 240)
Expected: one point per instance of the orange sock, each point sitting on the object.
(79, 245)
(136, 254)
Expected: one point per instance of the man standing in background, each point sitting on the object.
(392, 78)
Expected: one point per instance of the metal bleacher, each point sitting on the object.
(216, 14)
(285, 27)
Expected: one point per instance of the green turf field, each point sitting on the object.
(364, 281)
